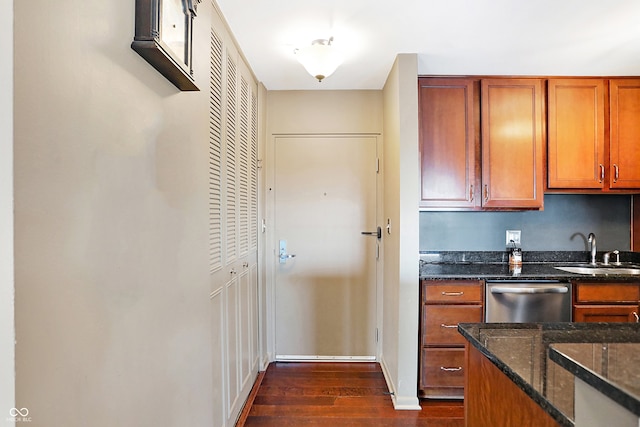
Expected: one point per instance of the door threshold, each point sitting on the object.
(305, 358)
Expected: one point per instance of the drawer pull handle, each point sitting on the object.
(442, 325)
(453, 294)
(459, 368)
(636, 316)
(601, 173)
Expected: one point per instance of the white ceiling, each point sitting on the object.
(451, 37)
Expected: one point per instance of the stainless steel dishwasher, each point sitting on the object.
(519, 301)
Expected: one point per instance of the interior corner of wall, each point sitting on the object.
(387, 377)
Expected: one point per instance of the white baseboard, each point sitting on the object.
(400, 403)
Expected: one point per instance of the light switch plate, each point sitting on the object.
(513, 235)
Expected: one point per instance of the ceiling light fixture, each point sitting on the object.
(320, 58)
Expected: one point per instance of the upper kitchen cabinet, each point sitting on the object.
(594, 134)
(448, 143)
(576, 134)
(624, 122)
(512, 143)
(504, 116)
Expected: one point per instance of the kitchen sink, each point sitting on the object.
(601, 269)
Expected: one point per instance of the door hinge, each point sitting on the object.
(376, 334)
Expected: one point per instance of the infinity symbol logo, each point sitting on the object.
(14, 412)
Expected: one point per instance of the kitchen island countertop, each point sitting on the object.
(522, 352)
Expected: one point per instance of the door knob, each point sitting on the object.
(283, 255)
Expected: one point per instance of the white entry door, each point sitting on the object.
(325, 282)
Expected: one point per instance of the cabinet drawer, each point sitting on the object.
(454, 291)
(442, 367)
(440, 322)
(605, 313)
(607, 292)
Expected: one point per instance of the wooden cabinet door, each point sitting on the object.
(447, 143)
(605, 313)
(624, 116)
(576, 135)
(512, 143)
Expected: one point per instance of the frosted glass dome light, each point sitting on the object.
(320, 59)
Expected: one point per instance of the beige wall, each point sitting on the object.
(7, 360)
(320, 111)
(401, 258)
(112, 290)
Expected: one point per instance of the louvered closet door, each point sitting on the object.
(233, 208)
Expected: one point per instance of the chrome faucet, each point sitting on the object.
(607, 256)
(592, 244)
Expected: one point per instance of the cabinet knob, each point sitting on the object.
(616, 173)
(456, 369)
(636, 316)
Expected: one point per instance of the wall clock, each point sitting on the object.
(163, 37)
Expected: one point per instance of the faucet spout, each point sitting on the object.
(592, 245)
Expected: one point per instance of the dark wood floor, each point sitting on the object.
(336, 394)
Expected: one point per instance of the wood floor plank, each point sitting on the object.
(331, 422)
(337, 394)
(322, 391)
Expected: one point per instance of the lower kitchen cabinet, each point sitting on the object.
(606, 302)
(444, 305)
(493, 399)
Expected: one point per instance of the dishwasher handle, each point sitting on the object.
(546, 289)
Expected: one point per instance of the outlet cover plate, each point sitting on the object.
(513, 235)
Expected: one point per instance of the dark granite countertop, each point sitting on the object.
(495, 266)
(611, 368)
(521, 351)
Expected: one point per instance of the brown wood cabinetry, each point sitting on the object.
(606, 302)
(444, 304)
(624, 123)
(512, 143)
(492, 399)
(508, 172)
(576, 133)
(593, 134)
(448, 142)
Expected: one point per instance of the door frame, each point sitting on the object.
(271, 240)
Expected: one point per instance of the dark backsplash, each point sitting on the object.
(564, 225)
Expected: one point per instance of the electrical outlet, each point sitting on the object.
(513, 235)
